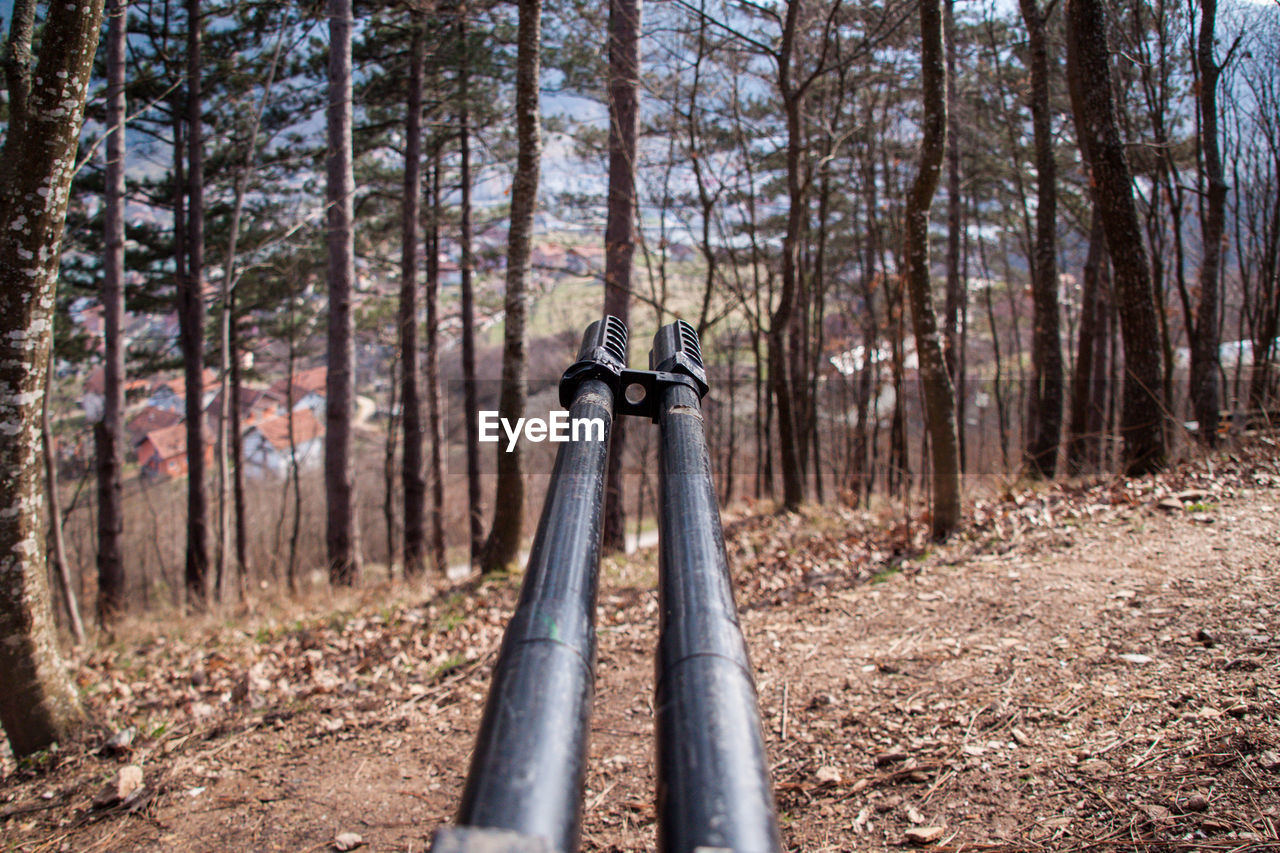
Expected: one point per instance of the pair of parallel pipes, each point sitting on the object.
(524, 790)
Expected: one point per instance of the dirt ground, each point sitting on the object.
(1086, 667)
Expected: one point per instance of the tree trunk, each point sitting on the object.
(475, 508)
(1088, 72)
(898, 472)
(342, 535)
(62, 569)
(780, 326)
(1078, 436)
(817, 338)
(962, 366)
(108, 433)
(1268, 323)
(869, 383)
(731, 449)
(229, 368)
(389, 469)
(237, 453)
(38, 704)
(939, 397)
(1205, 358)
(863, 466)
(503, 545)
(1267, 303)
(291, 571)
(414, 483)
(707, 201)
(798, 335)
(955, 310)
(997, 377)
(433, 375)
(221, 550)
(1044, 403)
(1097, 423)
(221, 547)
(191, 323)
(619, 233)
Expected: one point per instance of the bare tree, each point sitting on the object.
(1086, 415)
(1205, 358)
(780, 324)
(1255, 167)
(503, 545)
(619, 232)
(956, 291)
(342, 538)
(1089, 78)
(1044, 403)
(939, 398)
(38, 704)
(475, 508)
(433, 373)
(108, 433)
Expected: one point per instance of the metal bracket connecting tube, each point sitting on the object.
(713, 777)
(529, 764)
(603, 356)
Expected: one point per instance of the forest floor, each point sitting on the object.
(1090, 666)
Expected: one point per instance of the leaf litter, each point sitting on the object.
(1084, 667)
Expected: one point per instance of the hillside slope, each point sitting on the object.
(1084, 668)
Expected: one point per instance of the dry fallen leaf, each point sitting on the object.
(347, 841)
(827, 774)
(127, 780)
(923, 835)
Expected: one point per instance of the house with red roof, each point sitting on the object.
(149, 420)
(172, 393)
(162, 454)
(256, 405)
(309, 388)
(267, 445)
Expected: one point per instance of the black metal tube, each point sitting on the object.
(713, 778)
(529, 764)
